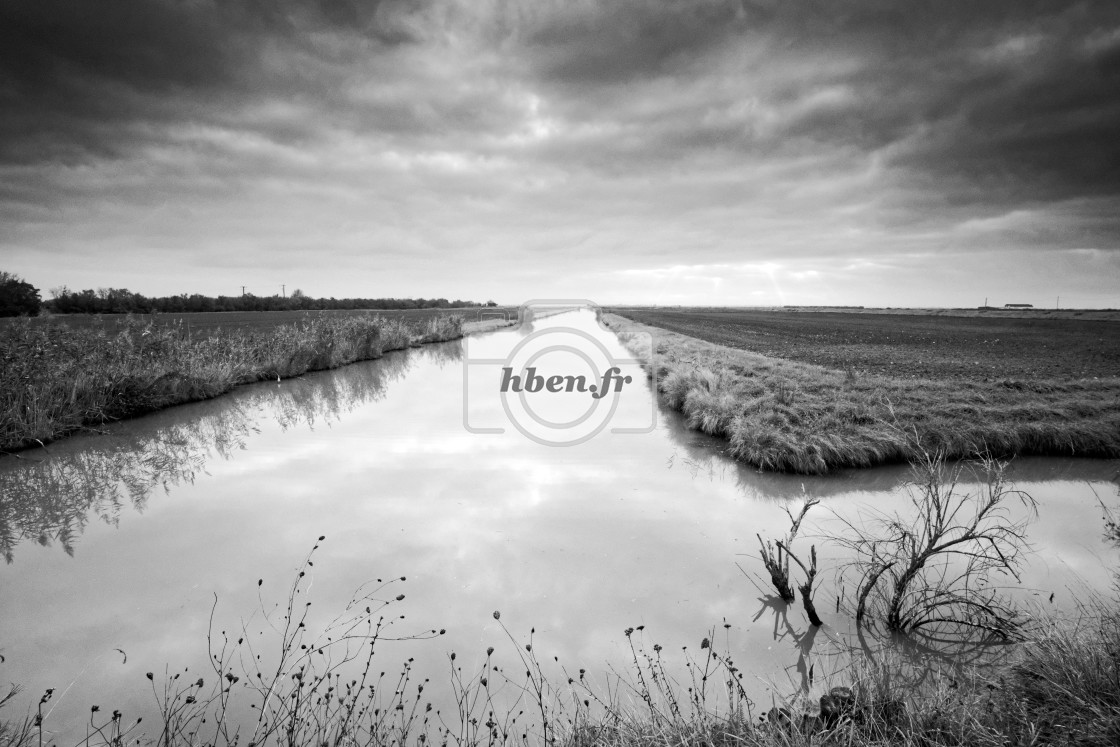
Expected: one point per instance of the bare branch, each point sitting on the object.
(931, 570)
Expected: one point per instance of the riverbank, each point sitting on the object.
(487, 325)
(797, 417)
(1061, 687)
(57, 379)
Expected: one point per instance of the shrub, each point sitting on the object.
(17, 297)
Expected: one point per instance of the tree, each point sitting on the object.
(300, 300)
(17, 296)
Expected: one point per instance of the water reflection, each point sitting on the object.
(706, 457)
(50, 495)
(801, 640)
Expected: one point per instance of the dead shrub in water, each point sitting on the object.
(776, 557)
(932, 572)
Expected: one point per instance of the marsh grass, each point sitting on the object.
(1062, 687)
(56, 379)
(794, 417)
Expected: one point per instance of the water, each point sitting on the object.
(120, 545)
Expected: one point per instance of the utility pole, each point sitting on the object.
(283, 291)
(1057, 302)
(243, 290)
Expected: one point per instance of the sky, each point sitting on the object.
(696, 152)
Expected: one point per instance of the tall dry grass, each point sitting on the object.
(56, 379)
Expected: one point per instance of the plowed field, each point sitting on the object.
(909, 346)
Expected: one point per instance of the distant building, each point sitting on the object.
(1018, 306)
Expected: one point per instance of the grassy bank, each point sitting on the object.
(797, 417)
(300, 687)
(56, 378)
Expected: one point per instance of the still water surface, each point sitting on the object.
(117, 545)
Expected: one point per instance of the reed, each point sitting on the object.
(56, 379)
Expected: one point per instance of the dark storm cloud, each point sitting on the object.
(1024, 109)
(621, 41)
(84, 80)
(994, 102)
(72, 74)
(620, 132)
(1017, 97)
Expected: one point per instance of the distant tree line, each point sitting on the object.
(123, 301)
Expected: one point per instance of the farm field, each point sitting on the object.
(908, 345)
(991, 312)
(207, 322)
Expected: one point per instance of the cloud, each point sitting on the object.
(592, 43)
(495, 133)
